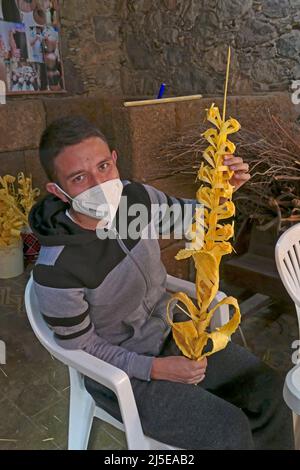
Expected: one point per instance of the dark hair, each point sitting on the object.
(62, 133)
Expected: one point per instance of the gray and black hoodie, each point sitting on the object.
(107, 295)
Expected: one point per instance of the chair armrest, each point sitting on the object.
(174, 284)
(116, 380)
(221, 315)
(95, 368)
(291, 390)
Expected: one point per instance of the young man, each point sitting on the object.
(105, 293)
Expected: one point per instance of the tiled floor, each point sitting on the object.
(34, 387)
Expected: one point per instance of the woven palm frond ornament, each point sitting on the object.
(215, 194)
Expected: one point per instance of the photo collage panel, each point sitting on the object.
(30, 59)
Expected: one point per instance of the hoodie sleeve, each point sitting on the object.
(67, 313)
(171, 214)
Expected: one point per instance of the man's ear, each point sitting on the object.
(114, 156)
(53, 189)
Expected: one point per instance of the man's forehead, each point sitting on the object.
(83, 154)
(91, 147)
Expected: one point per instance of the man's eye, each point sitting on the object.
(78, 179)
(104, 166)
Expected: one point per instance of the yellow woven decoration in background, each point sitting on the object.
(15, 205)
(215, 195)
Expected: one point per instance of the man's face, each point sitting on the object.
(82, 166)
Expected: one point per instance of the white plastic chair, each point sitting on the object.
(287, 255)
(82, 406)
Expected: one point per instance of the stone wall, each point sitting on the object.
(129, 47)
(91, 45)
(184, 44)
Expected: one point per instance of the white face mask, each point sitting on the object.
(100, 202)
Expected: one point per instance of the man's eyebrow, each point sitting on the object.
(79, 172)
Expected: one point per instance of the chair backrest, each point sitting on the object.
(39, 326)
(287, 255)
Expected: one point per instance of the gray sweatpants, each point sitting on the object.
(238, 405)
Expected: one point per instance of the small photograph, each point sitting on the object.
(32, 12)
(52, 58)
(54, 78)
(13, 40)
(24, 77)
(44, 49)
(9, 11)
(51, 11)
(51, 39)
(4, 48)
(35, 44)
(4, 71)
(4, 61)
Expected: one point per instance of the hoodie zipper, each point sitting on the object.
(125, 249)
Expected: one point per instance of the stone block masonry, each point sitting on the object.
(129, 47)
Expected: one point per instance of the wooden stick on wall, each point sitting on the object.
(174, 99)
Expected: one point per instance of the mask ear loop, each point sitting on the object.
(62, 191)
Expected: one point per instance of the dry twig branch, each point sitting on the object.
(272, 196)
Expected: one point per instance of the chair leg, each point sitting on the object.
(81, 414)
(296, 420)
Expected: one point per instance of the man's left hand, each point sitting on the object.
(241, 170)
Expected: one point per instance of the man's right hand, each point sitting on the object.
(178, 369)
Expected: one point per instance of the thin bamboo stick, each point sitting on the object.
(226, 83)
(174, 99)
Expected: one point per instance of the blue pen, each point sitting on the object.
(161, 91)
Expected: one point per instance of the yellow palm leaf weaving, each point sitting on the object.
(215, 195)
